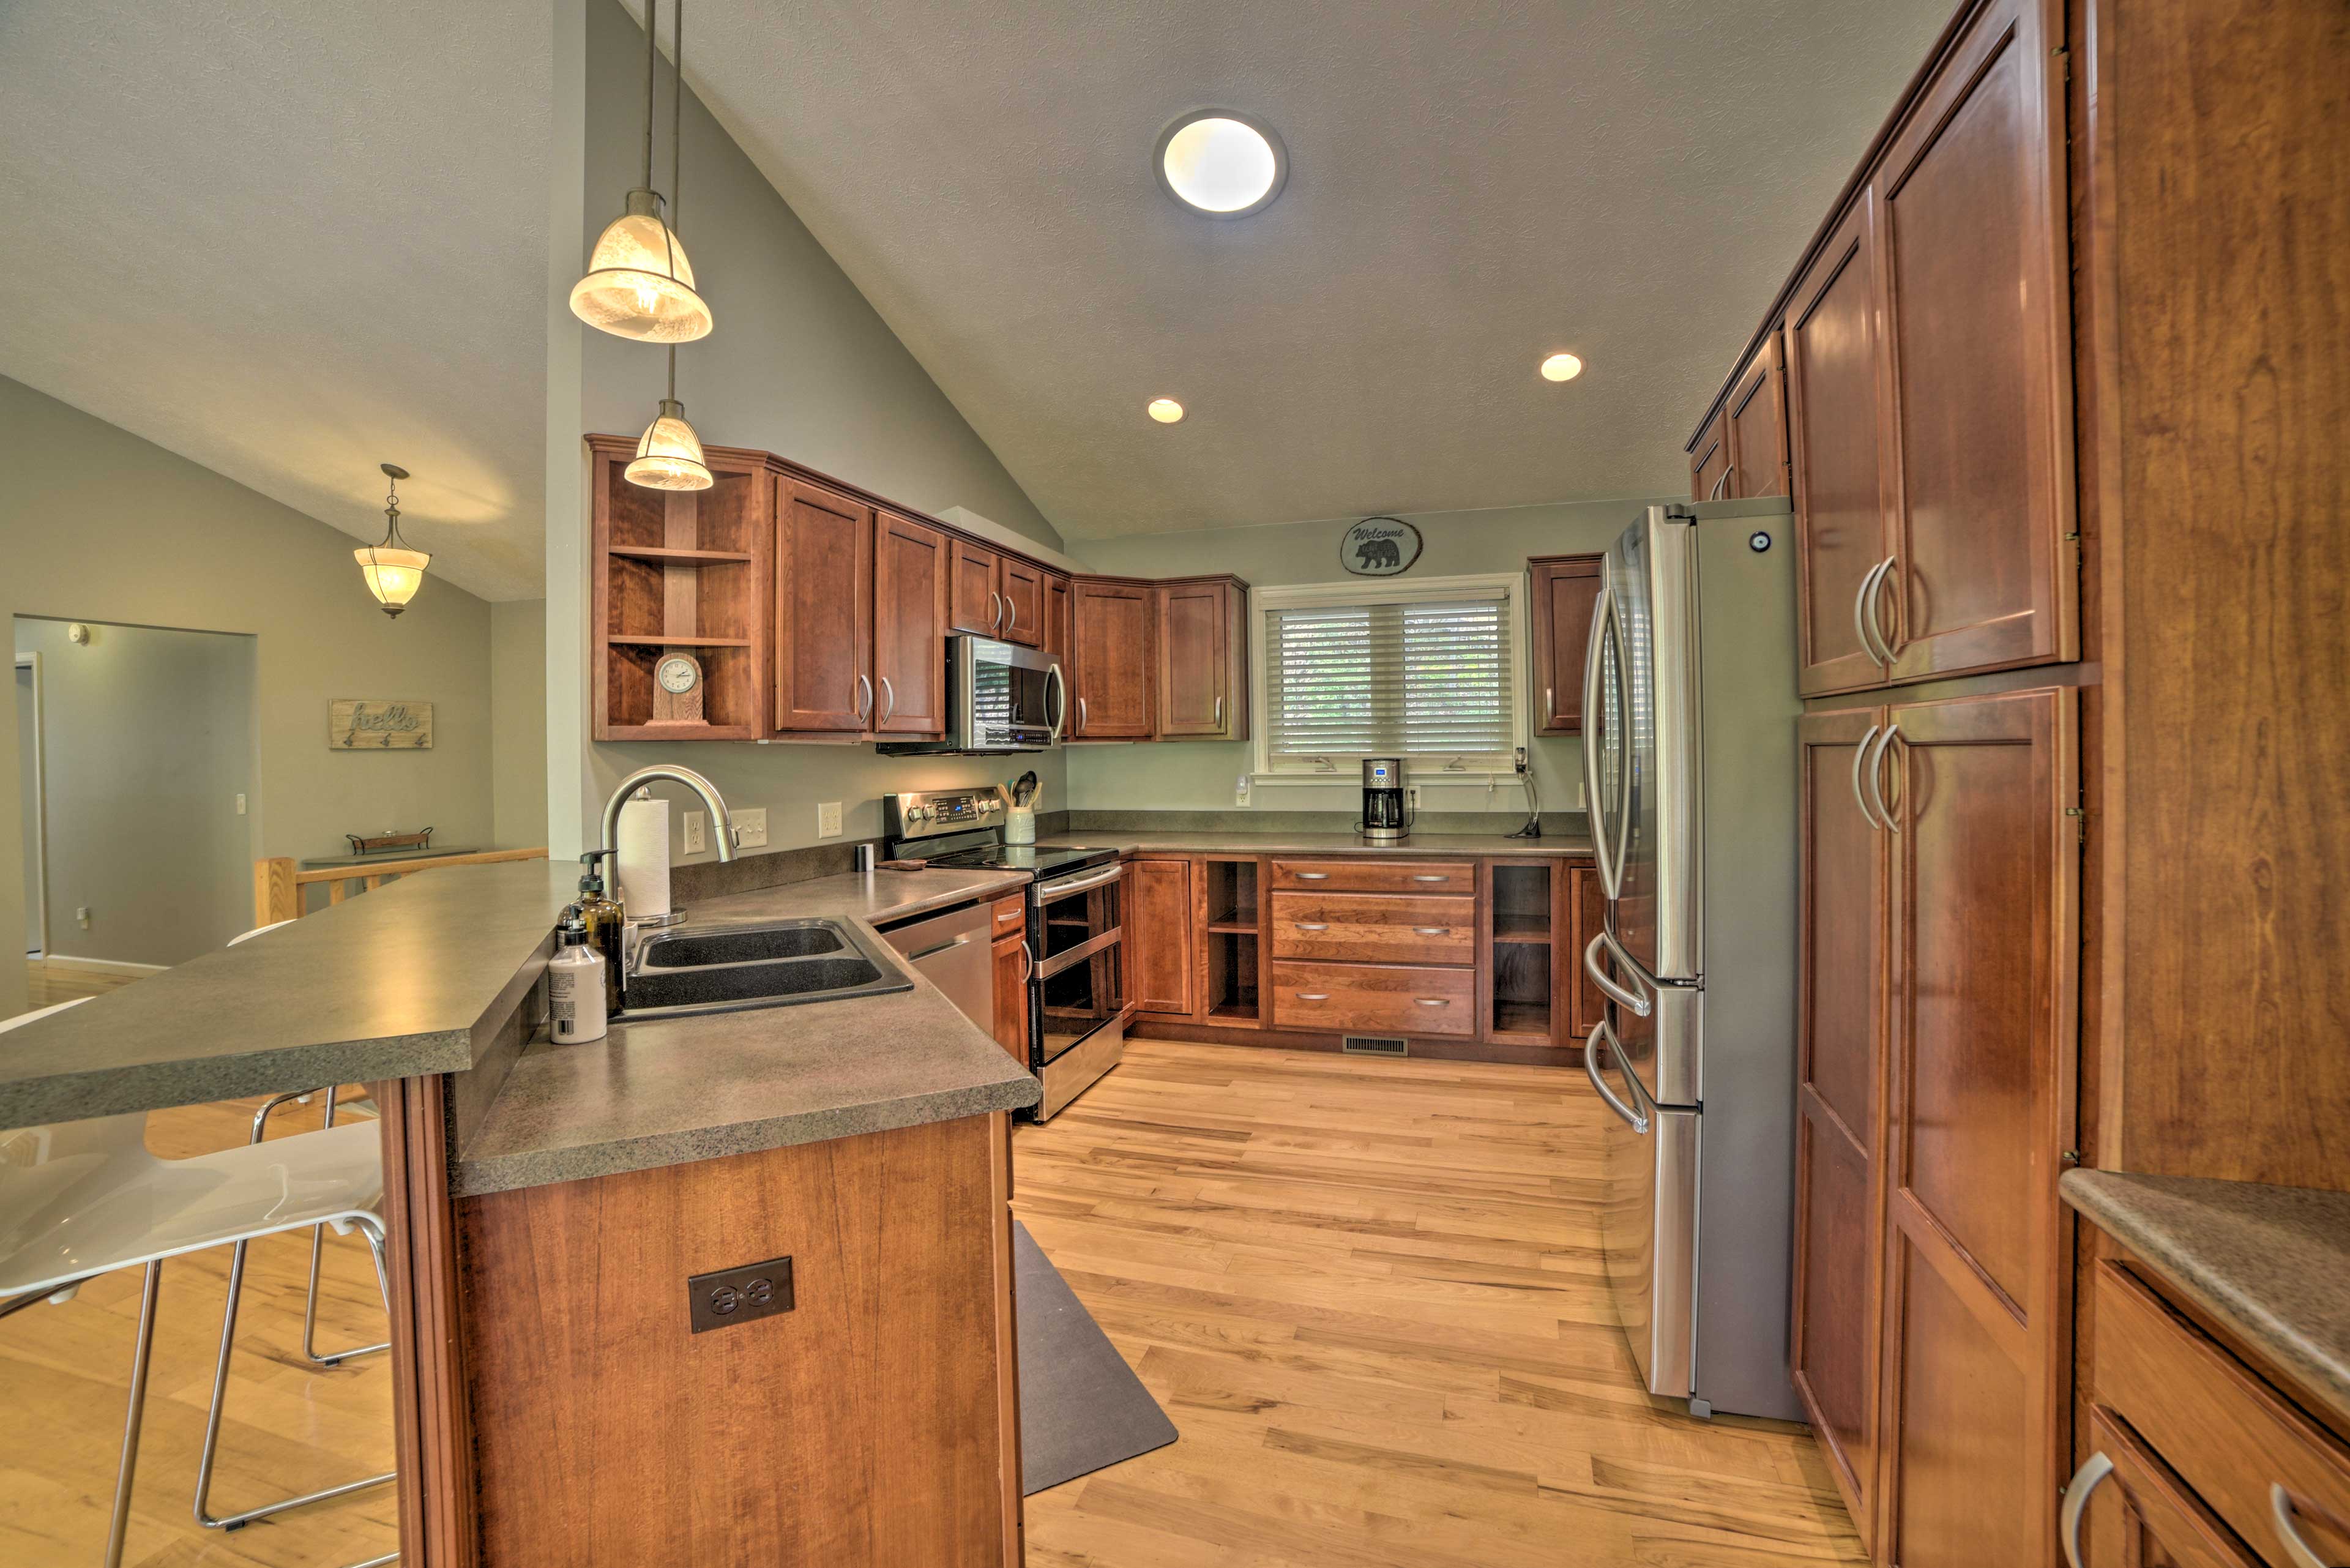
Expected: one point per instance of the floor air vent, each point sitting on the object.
(1376, 1046)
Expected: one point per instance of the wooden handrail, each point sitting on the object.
(277, 886)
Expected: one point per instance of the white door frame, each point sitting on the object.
(37, 919)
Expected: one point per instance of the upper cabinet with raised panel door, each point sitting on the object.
(824, 611)
(1757, 420)
(1709, 461)
(910, 569)
(1203, 660)
(1021, 586)
(974, 599)
(1115, 681)
(1565, 592)
(1056, 632)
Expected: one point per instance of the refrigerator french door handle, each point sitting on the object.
(1636, 1004)
(1876, 786)
(1863, 602)
(1639, 1123)
(1593, 721)
(1859, 758)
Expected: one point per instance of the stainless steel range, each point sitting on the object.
(1074, 947)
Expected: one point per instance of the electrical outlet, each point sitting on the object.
(240, 806)
(1411, 796)
(697, 837)
(750, 827)
(728, 1297)
(827, 819)
(1240, 790)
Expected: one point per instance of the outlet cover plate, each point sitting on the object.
(696, 838)
(827, 819)
(750, 823)
(725, 1297)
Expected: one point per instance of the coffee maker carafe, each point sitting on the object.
(1383, 808)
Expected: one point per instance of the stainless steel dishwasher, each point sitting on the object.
(951, 949)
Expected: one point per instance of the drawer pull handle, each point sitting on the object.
(1432, 930)
(1009, 915)
(1428, 876)
(2280, 1507)
(1313, 996)
(1314, 876)
(2085, 1480)
(1432, 1000)
(1310, 926)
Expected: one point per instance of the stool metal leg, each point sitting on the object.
(318, 1251)
(127, 1471)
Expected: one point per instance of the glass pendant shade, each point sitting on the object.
(669, 454)
(638, 282)
(392, 574)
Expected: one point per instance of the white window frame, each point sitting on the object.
(1511, 585)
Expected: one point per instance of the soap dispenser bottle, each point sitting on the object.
(575, 984)
(607, 922)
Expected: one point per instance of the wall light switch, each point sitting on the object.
(827, 819)
(750, 827)
(81, 913)
(240, 806)
(697, 837)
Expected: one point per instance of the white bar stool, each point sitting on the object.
(78, 1199)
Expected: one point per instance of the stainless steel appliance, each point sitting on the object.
(950, 951)
(1000, 697)
(1690, 766)
(1077, 1003)
(1383, 815)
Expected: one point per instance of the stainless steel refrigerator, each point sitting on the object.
(1690, 774)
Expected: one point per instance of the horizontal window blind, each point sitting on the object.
(1421, 679)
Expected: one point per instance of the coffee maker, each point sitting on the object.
(1383, 815)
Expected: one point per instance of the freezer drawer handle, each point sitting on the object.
(1597, 970)
(2085, 1480)
(1639, 1123)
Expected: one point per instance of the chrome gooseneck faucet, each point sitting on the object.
(720, 818)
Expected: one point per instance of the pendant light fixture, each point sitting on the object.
(638, 282)
(669, 454)
(393, 571)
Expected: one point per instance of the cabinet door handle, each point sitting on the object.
(1427, 876)
(1314, 876)
(1860, 607)
(1722, 482)
(1432, 1000)
(1081, 715)
(1550, 702)
(1311, 926)
(1875, 784)
(1313, 996)
(1011, 915)
(994, 610)
(2085, 1480)
(1219, 712)
(889, 693)
(1859, 757)
(1877, 613)
(1432, 930)
(1027, 962)
(864, 699)
(2289, 1533)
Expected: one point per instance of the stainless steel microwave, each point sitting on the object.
(999, 699)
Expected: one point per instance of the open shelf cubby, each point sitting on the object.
(1231, 888)
(1232, 894)
(1523, 932)
(681, 572)
(1522, 903)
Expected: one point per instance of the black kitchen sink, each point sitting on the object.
(773, 965)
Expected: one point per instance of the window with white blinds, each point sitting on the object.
(1428, 678)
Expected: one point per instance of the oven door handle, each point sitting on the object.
(1053, 892)
(1092, 947)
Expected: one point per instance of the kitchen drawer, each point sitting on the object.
(2172, 1526)
(1373, 928)
(1366, 874)
(2226, 1434)
(1373, 999)
(1011, 916)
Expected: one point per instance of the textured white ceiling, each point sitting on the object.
(1473, 183)
(289, 242)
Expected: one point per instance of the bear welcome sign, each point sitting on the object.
(1379, 547)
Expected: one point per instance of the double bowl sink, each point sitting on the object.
(771, 965)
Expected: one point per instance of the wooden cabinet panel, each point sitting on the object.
(1116, 682)
(1373, 928)
(1363, 874)
(1565, 593)
(1022, 588)
(1710, 461)
(1973, 280)
(1011, 1031)
(909, 623)
(1057, 616)
(1009, 917)
(1756, 414)
(1158, 917)
(975, 603)
(1203, 660)
(1373, 999)
(824, 611)
(1836, 1336)
(1837, 451)
(1588, 898)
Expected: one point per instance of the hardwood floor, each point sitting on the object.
(289, 1427)
(48, 982)
(1369, 1295)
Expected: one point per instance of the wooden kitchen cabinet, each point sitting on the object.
(1158, 918)
(974, 597)
(1565, 593)
(1756, 418)
(1708, 457)
(1012, 965)
(1114, 623)
(1021, 586)
(1055, 636)
(824, 611)
(1586, 901)
(910, 562)
(1203, 660)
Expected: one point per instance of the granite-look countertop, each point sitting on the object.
(386, 985)
(1427, 845)
(2268, 1263)
(669, 1090)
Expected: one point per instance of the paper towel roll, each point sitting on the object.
(644, 857)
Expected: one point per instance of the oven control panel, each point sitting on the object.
(926, 814)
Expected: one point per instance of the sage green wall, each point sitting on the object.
(1197, 775)
(147, 743)
(801, 365)
(98, 524)
(518, 723)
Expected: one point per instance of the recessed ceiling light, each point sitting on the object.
(1166, 410)
(1562, 368)
(1224, 165)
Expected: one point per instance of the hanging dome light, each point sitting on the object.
(638, 282)
(392, 570)
(669, 454)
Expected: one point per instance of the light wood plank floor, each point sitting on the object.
(50, 983)
(1369, 1295)
(289, 1427)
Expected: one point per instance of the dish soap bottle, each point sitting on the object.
(575, 984)
(607, 922)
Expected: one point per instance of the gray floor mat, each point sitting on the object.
(1081, 1406)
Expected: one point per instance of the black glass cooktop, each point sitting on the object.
(1039, 859)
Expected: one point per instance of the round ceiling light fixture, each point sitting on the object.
(1561, 368)
(1166, 410)
(1221, 162)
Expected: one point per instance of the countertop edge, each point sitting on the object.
(2114, 1201)
(146, 1086)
